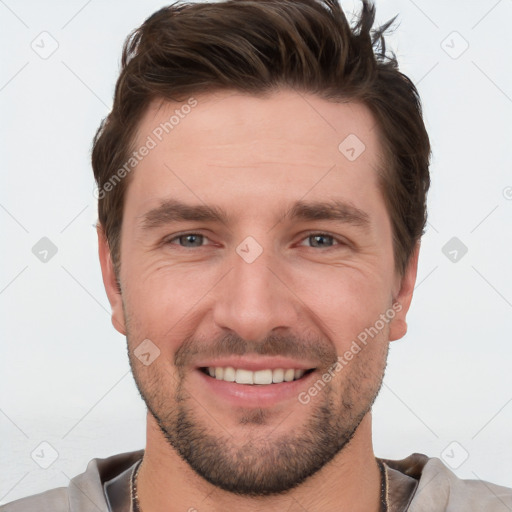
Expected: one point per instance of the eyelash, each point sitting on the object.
(337, 241)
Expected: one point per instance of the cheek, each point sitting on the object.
(346, 299)
(161, 299)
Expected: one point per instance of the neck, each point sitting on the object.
(350, 482)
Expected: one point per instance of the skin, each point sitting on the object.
(255, 157)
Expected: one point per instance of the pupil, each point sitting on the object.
(193, 240)
(320, 240)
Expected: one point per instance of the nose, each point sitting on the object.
(254, 299)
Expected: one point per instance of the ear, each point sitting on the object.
(110, 282)
(402, 299)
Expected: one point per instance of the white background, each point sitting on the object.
(64, 370)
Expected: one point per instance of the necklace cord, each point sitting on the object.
(133, 487)
(384, 490)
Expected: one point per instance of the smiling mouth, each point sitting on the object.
(260, 377)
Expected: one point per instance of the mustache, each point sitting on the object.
(310, 347)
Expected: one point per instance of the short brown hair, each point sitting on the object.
(259, 46)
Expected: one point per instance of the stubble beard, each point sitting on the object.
(269, 464)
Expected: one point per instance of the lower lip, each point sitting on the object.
(255, 395)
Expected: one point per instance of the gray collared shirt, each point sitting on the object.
(416, 484)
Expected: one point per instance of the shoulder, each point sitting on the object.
(440, 486)
(439, 489)
(54, 500)
(84, 490)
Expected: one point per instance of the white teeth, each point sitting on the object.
(289, 375)
(240, 376)
(229, 374)
(243, 377)
(298, 374)
(263, 377)
(278, 375)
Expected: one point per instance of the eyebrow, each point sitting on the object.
(336, 210)
(173, 210)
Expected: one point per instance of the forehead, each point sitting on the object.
(229, 117)
(284, 146)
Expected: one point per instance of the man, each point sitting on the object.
(262, 184)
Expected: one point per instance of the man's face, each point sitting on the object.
(234, 256)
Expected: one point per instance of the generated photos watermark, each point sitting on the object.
(152, 141)
(357, 345)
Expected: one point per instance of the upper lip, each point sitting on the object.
(256, 363)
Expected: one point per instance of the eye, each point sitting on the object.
(319, 240)
(187, 240)
(315, 240)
